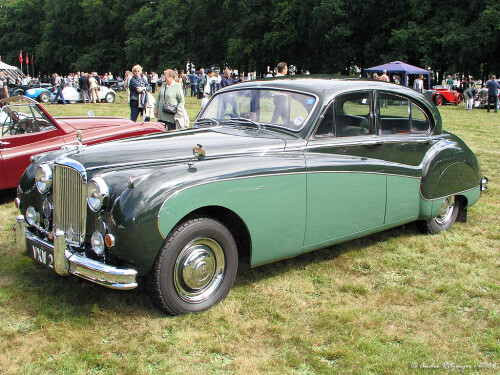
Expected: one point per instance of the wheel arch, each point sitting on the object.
(232, 221)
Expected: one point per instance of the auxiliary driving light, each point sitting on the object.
(32, 217)
(97, 243)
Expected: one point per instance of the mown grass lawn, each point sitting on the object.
(397, 302)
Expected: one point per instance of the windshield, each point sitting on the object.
(23, 118)
(265, 106)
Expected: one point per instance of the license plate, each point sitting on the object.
(41, 254)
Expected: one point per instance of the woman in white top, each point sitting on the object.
(94, 91)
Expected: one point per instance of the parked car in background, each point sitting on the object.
(481, 99)
(40, 92)
(441, 95)
(73, 95)
(27, 129)
(274, 169)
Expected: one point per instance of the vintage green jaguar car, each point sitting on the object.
(273, 169)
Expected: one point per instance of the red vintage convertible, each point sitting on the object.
(441, 95)
(27, 129)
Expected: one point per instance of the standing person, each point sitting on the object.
(227, 80)
(185, 82)
(469, 94)
(201, 83)
(418, 85)
(193, 81)
(228, 98)
(384, 77)
(84, 84)
(282, 69)
(449, 82)
(280, 100)
(154, 81)
(137, 86)
(207, 90)
(171, 93)
(492, 85)
(58, 86)
(4, 93)
(93, 88)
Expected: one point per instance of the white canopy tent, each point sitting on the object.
(11, 71)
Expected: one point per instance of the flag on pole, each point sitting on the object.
(27, 61)
(21, 57)
(31, 60)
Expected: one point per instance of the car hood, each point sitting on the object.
(170, 147)
(88, 123)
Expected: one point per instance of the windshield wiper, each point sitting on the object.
(239, 120)
(205, 122)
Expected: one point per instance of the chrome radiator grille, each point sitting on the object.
(70, 208)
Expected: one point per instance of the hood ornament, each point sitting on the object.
(198, 154)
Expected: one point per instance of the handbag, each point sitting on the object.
(169, 109)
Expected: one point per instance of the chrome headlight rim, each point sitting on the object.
(97, 191)
(43, 178)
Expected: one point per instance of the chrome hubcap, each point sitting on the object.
(199, 270)
(446, 211)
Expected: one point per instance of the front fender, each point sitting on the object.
(266, 192)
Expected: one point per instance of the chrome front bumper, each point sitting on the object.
(66, 263)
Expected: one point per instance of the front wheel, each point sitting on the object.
(459, 99)
(110, 97)
(439, 100)
(44, 97)
(444, 220)
(195, 268)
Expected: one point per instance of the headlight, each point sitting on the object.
(97, 191)
(32, 217)
(43, 178)
(97, 243)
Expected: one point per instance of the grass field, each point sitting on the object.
(397, 302)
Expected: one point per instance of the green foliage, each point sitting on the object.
(322, 36)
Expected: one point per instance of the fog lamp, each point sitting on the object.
(32, 217)
(97, 243)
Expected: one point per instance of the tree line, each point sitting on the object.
(322, 36)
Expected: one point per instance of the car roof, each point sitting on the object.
(325, 85)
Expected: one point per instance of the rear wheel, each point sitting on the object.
(195, 268)
(445, 218)
(439, 100)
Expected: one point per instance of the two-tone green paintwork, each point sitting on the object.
(289, 192)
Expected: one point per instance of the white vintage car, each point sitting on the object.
(72, 95)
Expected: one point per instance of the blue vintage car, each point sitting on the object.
(275, 169)
(40, 92)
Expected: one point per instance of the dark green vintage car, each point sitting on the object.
(273, 169)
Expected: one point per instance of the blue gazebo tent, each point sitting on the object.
(402, 69)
